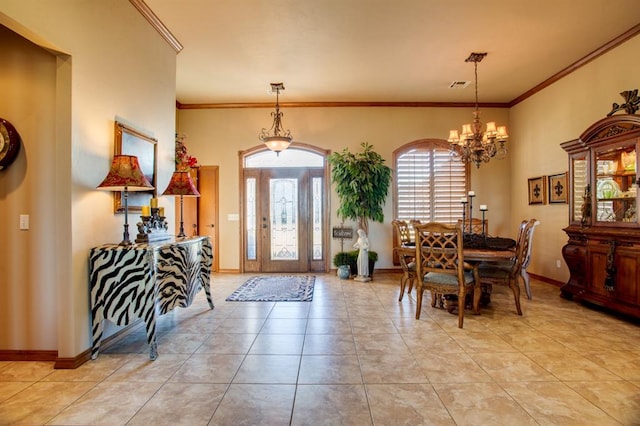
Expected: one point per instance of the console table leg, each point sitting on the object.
(153, 351)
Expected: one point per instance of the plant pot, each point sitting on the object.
(344, 272)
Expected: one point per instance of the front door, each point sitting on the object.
(284, 220)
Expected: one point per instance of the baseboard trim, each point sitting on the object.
(29, 355)
(81, 358)
(547, 280)
(72, 363)
(64, 363)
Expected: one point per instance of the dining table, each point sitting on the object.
(471, 254)
(483, 249)
(487, 254)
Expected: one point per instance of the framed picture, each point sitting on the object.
(130, 141)
(557, 185)
(537, 191)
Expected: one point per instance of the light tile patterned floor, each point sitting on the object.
(353, 356)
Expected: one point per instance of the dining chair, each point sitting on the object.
(527, 259)
(441, 268)
(474, 225)
(404, 249)
(509, 272)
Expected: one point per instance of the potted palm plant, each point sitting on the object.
(362, 182)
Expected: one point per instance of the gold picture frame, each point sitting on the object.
(130, 141)
(557, 185)
(537, 190)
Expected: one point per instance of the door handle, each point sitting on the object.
(211, 226)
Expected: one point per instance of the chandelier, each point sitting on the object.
(276, 138)
(472, 145)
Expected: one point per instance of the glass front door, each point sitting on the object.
(284, 215)
(282, 221)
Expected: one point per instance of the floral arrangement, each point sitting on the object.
(184, 161)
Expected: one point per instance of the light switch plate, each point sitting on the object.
(24, 221)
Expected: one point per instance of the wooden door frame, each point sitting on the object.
(326, 242)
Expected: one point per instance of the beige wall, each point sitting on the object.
(109, 64)
(557, 114)
(26, 187)
(215, 136)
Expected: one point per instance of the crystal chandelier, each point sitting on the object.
(276, 138)
(472, 145)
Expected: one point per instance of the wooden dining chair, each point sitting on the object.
(509, 272)
(527, 259)
(404, 249)
(474, 225)
(441, 268)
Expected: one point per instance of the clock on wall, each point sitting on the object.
(9, 143)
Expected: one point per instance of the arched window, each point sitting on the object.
(429, 182)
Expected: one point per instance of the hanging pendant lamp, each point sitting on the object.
(276, 138)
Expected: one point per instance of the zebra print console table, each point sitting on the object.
(145, 281)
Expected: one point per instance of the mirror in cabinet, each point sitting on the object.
(615, 184)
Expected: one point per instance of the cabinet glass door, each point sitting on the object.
(615, 185)
(581, 191)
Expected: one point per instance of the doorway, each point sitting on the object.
(200, 214)
(284, 207)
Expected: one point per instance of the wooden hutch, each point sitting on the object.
(603, 251)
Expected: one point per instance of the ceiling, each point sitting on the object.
(381, 50)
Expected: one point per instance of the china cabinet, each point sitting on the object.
(603, 251)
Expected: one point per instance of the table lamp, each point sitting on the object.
(181, 184)
(125, 175)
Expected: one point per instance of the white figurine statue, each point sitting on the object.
(363, 257)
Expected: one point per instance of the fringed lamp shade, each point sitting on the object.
(125, 175)
(181, 184)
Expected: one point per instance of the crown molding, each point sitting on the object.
(234, 105)
(627, 35)
(156, 23)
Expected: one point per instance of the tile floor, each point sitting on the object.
(353, 356)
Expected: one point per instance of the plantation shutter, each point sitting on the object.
(429, 185)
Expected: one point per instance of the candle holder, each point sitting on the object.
(484, 233)
(152, 228)
(471, 195)
(464, 223)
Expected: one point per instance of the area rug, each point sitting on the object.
(275, 288)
